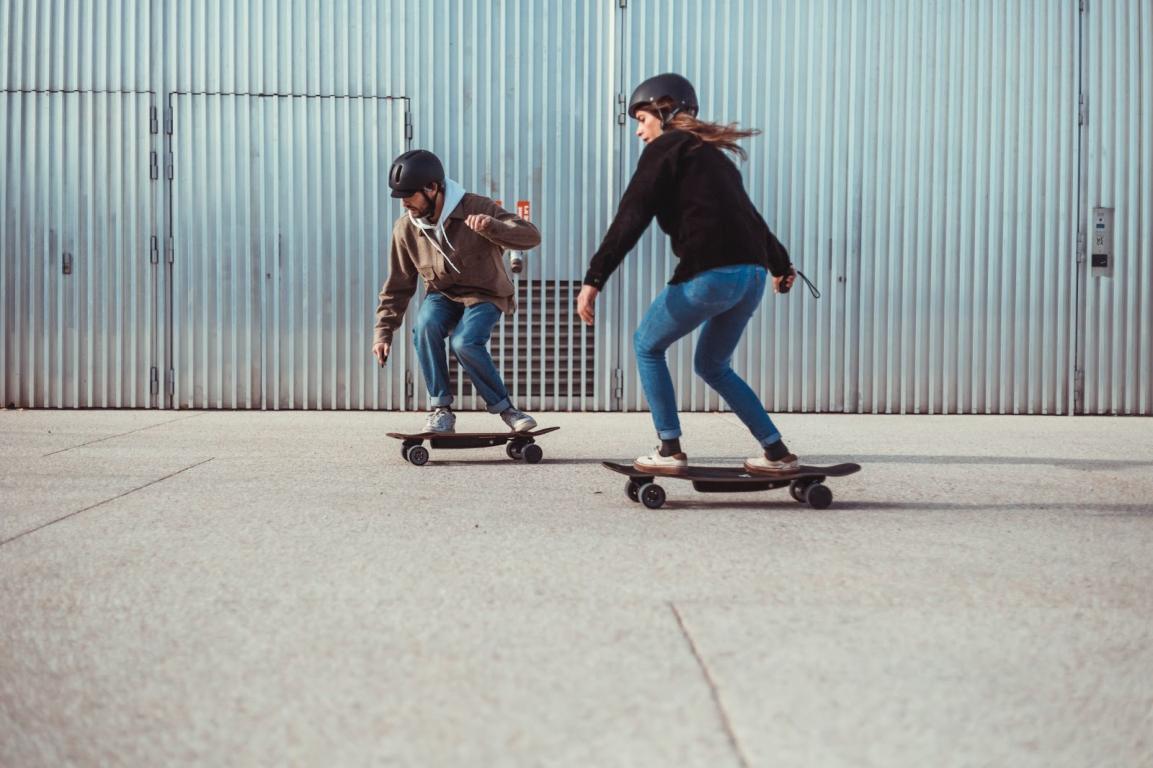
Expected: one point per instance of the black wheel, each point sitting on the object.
(532, 453)
(418, 455)
(513, 451)
(797, 491)
(819, 496)
(632, 490)
(652, 495)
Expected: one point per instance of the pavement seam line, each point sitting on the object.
(122, 434)
(99, 503)
(714, 691)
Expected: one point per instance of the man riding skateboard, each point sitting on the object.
(454, 241)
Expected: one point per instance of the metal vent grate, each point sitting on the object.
(545, 354)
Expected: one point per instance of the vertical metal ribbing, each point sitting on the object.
(279, 252)
(1118, 90)
(919, 161)
(891, 166)
(76, 234)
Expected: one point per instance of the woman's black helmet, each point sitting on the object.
(413, 171)
(668, 85)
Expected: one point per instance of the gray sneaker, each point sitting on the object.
(440, 419)
(518, 420)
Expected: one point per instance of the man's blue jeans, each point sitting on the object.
(471, 328)
(722, 300)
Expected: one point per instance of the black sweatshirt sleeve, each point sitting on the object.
(636, 211)
(779, 261)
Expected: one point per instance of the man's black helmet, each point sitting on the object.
(670, 86)
(413, 171)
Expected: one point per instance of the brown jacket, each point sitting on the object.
(478, 256)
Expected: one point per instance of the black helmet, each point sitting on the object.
(413, 171)
(670, 86)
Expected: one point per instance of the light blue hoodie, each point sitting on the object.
(453, 194)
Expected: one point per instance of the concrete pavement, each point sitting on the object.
(234, 588)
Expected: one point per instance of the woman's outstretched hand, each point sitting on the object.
(785, 282)
(586, 304)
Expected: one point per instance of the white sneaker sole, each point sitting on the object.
(660, 469)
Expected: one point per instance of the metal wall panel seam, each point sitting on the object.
(1141, 246)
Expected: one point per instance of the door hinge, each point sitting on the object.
(622, 109)
(169, 250)
(153, 166)
(408, 388)
(154, 120)
(171, 382)
(154, 381)
(1078, 390)
(168, 121)
(1082, 110)
(1080, 245)
(1082, 5)
(618, 383)
(623, 3)
(170, 170)
(155, 258)
(407, 125)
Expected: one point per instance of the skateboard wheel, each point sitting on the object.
(797, 491)
(819, 496)
(404, 452)
(514, 451)
(652, 495)
(532, 453)
(632, 490)
(418, 455)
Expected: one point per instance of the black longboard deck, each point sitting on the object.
(738, 476)
(519, 445)
(469, 439)
(734, 480)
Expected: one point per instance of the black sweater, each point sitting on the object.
(699, 199)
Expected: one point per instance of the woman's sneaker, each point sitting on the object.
(440, 419)
(656, 464)
(518, 420)
(766, 466)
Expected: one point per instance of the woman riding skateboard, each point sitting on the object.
(724, 249)
(454, 240)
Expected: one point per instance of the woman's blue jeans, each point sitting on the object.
(720, 301)
(471, 328)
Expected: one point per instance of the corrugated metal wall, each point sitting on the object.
(280, 236)
(918, 160)
(514, 100)
(485, 92)
(1116, 346)
(77, 193)
(79, 316)
(922, 161)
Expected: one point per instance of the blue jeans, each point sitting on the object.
(723, 300)
(471, 328)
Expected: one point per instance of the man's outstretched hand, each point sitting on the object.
(586, 304)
